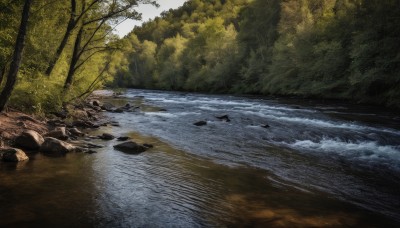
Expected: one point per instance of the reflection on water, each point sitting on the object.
(319, 167)
(164, 187)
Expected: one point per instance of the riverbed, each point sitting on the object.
(277, 162)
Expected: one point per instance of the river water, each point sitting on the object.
(315, 165)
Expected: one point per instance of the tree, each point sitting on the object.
(17, 56)
(105, 11)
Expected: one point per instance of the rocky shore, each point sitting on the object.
(22, 135)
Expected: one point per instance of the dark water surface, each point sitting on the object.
(316, 165)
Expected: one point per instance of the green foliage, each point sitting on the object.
(37, 92)
(342, 49)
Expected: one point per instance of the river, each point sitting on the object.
(316, 164)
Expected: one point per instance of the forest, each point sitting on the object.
(334, 49)
(53, 52)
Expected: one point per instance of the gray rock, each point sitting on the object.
(106, 136)
(75, 132)
(29, 139)
(130, 147)
(123, 138)
(119, 110)
(200, 123)
(107, 107)
(58, 133)
(224, 118)
(13, 155)
(53, 145)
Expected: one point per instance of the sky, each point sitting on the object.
(148, 12)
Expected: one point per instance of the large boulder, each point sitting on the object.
(13, 155)
(58, 133)
(130, 147)
(53, 145)
(29, 139)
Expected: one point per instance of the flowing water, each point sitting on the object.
(315, 165)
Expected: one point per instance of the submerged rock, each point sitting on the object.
(200, 123)
(53, 145)
(224, 118)
(265, 126)
(13, 155)
(91, 152)
(123, 138)
(106, 136)
(130, 147)
(147, 145)
(29, 139)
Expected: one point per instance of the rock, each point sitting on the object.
(91, 145)
(61, 114)
(200, 123)
(123, 138)
(119, 110)
(147, 145)
(90, 152)
(13, 155)
(27, 118)
(130, 147)
(5, 135)
(96, 103)
(106, 136)
(162, 110)
(29, 139)
(58, 133)
(265, 126)
(127, 106)
(53, 145)
(107, 106)
(56, 122)
(83, 123)
(223, 118)
(79, 114)
(75, 132)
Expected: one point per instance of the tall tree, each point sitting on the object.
(17, 56)
(104, 10)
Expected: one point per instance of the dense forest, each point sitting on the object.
(53, 52)
(339, 49)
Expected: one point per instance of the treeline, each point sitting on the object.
(343, 49)
(52, 52)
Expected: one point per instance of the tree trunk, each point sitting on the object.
(17, 56)
(74, 59)
(67, 34)
(2, 73)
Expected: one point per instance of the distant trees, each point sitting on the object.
(346, 49)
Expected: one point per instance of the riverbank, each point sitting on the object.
(22, 134)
